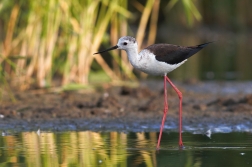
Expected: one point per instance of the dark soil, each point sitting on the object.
(129, 109)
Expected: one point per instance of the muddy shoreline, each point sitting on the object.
(220, 106)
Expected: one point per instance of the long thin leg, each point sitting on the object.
(180, 110)
(164, 115)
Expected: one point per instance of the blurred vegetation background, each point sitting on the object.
(47, 43)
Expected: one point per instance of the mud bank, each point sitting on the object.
(222, 107)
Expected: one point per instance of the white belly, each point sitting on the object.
(147, 63)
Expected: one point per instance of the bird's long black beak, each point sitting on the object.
(114, 47)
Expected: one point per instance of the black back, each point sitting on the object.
(174, 54)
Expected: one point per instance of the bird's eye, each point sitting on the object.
(125, 43)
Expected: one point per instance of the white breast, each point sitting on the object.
(147, 63)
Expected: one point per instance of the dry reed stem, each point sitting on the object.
(34, 44)
(51, 38)
(127, 68)
(143, 22)
(38, 42)
(114, 31)
(69, 73)
(153, 23)
(40, 64)
(97, 40)
(9, 34)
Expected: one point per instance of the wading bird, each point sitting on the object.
(158, 59)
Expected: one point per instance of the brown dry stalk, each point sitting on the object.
(143, 22)
(153, 23)
(10, 30)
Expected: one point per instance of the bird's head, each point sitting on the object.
(127, 42)
(124, 43)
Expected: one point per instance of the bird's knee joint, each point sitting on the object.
(180, 95)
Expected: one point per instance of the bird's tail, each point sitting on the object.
(195, 49)
(204, 44)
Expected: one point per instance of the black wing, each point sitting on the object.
(174, 54)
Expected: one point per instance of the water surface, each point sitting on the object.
(87, 148)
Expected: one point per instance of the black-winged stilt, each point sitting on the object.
(158, 59)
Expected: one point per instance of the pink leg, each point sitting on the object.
(164, 115)
(180, 110)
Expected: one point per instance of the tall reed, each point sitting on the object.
(56, 39)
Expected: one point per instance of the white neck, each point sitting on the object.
(133, 56)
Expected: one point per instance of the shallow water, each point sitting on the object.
(86, 148)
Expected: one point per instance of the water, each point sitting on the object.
(87, 148)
